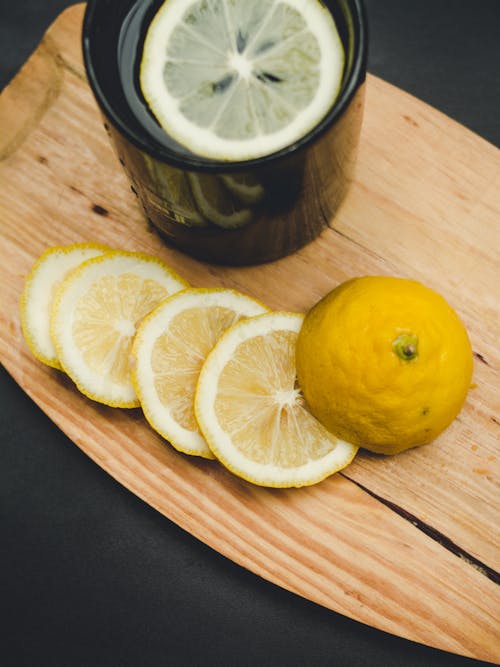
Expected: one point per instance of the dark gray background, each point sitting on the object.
(90, 576)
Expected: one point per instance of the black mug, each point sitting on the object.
(234, 213)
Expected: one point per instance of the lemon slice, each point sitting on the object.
(169, 349)
(41, 283)
(172, 186)
(234, 79)
(94, 316)
(245, 186)
(252, 413)
(216, 203)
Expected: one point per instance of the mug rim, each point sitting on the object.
(191, 162)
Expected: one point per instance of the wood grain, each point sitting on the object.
(407, 544)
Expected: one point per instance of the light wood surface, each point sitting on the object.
(407, 544)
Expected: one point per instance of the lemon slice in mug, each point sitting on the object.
(253, 414)
(238, 79)
(245, 187)
(217, 203)
(172, 185)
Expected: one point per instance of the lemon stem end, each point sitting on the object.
(406, 347)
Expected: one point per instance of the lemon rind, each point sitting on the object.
(30, 282)
(251, 195)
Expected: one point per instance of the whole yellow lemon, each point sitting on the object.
(384, 363)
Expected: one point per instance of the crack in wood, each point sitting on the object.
(432, 532)
(357, 244)
(480, 357)
(65, 64)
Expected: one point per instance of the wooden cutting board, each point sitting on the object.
(407, 544)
